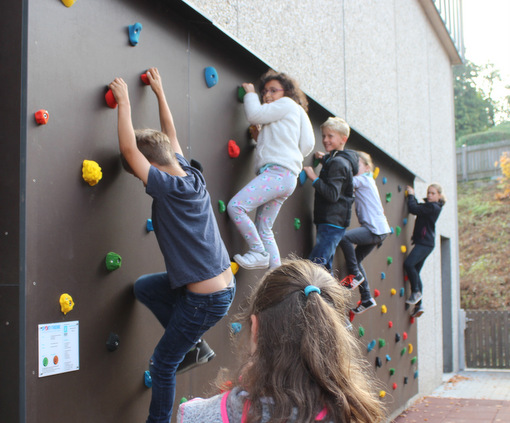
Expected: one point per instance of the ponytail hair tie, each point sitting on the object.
(312, 288)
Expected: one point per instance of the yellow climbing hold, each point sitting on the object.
(376, 172)
(68, 3)
(66, 303)
(393, 291)
(234, 266)
(382, 394)
(384, 309)
(410, 348)
(403, 248)
(91, 172)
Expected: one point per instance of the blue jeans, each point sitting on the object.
(186, 316)
(365, 242)
(413, 264)
(326, 242)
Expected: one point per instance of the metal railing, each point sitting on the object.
(451, 15)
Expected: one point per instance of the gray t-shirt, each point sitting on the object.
(185, 226)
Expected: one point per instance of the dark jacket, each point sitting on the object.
(424, 232)
(334, 192)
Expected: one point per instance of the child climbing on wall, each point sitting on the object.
(373, 230)
(285, 138)
(334, 191)
(298, 361)
(423, 238)
(198, 287)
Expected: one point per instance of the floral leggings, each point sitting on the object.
(266, 193)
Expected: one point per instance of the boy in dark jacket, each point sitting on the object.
(334, 192)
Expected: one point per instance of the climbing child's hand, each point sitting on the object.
(120, 91)
(310, 173)
(319, 155)
(155, 80)
(248, 87)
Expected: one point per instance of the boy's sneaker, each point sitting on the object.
(364, 306)
(253, 260)
(418, 310)
(352, 281)
(414, 298)
(200, 354)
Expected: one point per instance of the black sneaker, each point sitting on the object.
(364, 306)
(352, 281)
(418, 310)
(200, 354)
(414, 298)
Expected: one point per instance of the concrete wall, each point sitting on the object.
(379, 64)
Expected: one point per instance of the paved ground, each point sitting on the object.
(466, 397)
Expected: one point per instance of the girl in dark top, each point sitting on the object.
(423, 238)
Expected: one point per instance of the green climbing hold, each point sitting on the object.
(413, 360)
(388, 197)
(297, 223)
(113, 261)
(183, 399)
(389, 260)
(361, 331)
(403, 351)
(382, 342)
(316, 162)
(392, 371)
(241, 92)
(221, 206)
(398, 229)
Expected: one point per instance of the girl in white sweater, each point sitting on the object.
(285, 138)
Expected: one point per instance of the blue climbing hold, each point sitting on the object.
(134, 33)
(405, 221)
(416, 374)
(388, 358)
(302, 177)
(384, 180)
(392, 230)
(149, 225)
(383, 275)
(371, 346)
(147, 379)
(402, 292)
(211, 76)
(236, 327)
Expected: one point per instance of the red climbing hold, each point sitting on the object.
(42, 116)
(110, 99)
(376, 293)
(390, 324)
(406, 278)
(233, 149)
(394, 386)
(404, 335)
(351, 315)
(411, 319)
(145, 79)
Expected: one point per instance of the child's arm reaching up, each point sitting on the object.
(127, 140)
(165, 116)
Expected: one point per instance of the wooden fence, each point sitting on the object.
(477, 161)
(487, 339)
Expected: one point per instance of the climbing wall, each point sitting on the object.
(71, 225)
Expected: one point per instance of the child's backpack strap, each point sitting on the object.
(224, 414)
(319, 417)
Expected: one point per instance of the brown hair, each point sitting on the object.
(305, 357)
(289, 85)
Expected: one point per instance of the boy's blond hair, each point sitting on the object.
(367, 159)
(338, 125)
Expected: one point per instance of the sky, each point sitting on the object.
(487, 34)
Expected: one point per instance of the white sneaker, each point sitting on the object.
(253, 260)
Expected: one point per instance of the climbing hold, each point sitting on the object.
(388, 358)
(416, 374)
(183, 400)
(411, 320)
(110, 99)
(413, 360)
(147, 379)
(112, 343)
(384, 180)
(398, 229)
(149, 226)
(406, 380)
(236, 327)
(91, 172)
(402, 292)
(393, 291)
(406, 278)
(403, 249)
(378, 362)
(302, 177)
(406, 193)
(42, 116)
(297, 223)
(316, 162)
(371, 345)
(351, 315)
(383, 275)
(376, 293)
(134, 33)
(361, 331)
(211, 76)
(404, 221)
(68, 3)
(389, 260)
(404, 335)
(197, 165)
(410, 348)
(376, 172)
(145, 79)
(221, 206)
(397, 337)
(382, 342)
(388, 197)
(382, 394)
(403, 351)
(234, 266)
(391, 229)
(233, 149)
(384, 309)
(390, 324)
(241, 92)
(399, 187)
(392, 371)
(394, 386)
(113, 261)
(66, 303)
